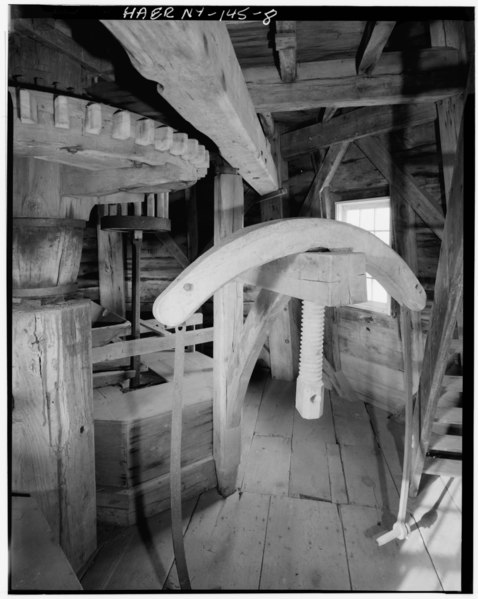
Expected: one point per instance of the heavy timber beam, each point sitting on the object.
(286, 44)
(353, 125)
(399, 78)
(373, 42)
(198, 74)
(405, 186)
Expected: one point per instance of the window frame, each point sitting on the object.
(363, 203)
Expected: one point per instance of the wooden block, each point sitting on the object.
(145, 129)
(93, 120)
(237, 523)
(304, 547)
(326, 278)
(37, 563)
(374, 568)
(61, 117)
(268, 465)
(121, 125)
(163, 138)
(179, 145)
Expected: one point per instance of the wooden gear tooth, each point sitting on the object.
(121, 125)
(93, 120)
(199, 157)
(180, 144)
(163, 138)
(145, 132)
(60, 112)
(27, 107)
(192, 149)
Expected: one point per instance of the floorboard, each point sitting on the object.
(225, 542)
(396, 566)
(276, 414)
(267, 466)
(439, 522)
(304, 547)
(352, 424)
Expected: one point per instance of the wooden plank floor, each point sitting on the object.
(312, 496)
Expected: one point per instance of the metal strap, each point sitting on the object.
(175, 461)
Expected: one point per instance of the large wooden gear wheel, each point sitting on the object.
(121, 150)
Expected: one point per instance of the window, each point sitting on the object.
(372, 215)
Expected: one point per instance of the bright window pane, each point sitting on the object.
(372, 215)
(352, 217)
(384, 236)
(382, 219)
(367, 219)
(378, 293)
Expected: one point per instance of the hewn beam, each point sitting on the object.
(111, 270)
(198, 74)
(283, 336)
(448, 295)
(373, 42)
(402, 181)
(48, 32)
(228, 319)
(311, 205)
(450, 34)
(355, 125)
(399, 78)
(286, 44)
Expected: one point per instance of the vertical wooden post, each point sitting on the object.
(228, 321)
(52, 420)
(450, 110)
(111, 269)
(404, 242)
(192, 212)
(284, 335)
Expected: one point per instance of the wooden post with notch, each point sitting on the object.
(228, 322)
(284, 335)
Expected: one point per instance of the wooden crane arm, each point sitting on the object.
(253, 246)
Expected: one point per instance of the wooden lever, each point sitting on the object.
(256, 245)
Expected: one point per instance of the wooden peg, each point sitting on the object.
(60, 112)
(145, 132)
(93, 120)
(163, 138)
(121, 125)
(150, 204)
(27, 107)
(192, 149)
(180, 144)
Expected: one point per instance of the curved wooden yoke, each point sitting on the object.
(256, 245)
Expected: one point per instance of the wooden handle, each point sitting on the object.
(258, 244)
